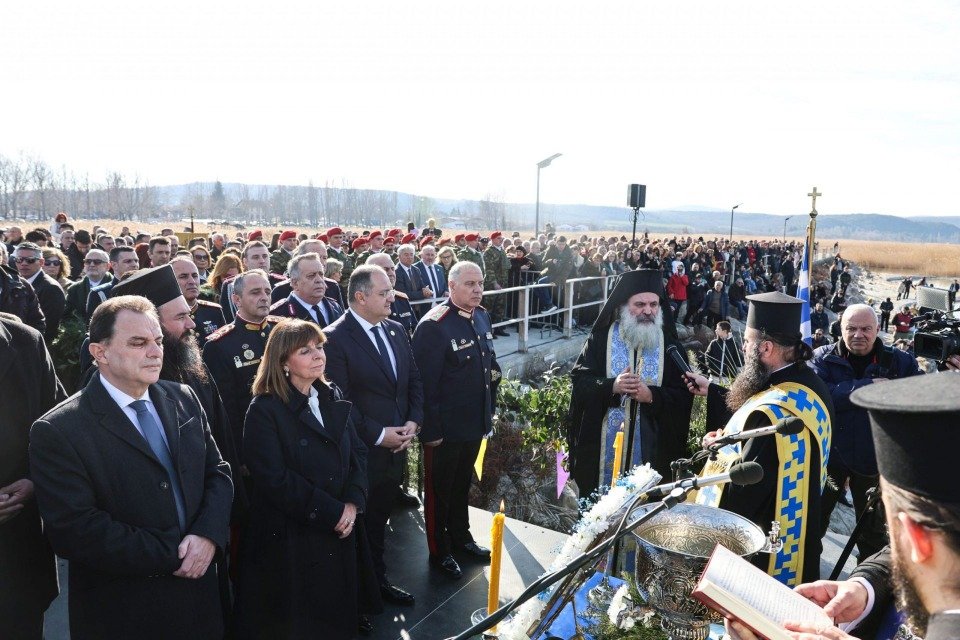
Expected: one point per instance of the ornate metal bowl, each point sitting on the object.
(672, 551)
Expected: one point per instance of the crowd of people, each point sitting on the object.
(229, 463)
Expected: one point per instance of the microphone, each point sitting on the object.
(786, 427)
(741, 474)
(678, 359)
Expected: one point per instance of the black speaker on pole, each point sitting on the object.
(637, 196)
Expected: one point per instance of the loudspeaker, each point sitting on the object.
(637, 196)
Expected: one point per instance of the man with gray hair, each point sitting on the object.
(28, 258)
(307, 299)
(409, 280)
(858, 359)
(624, 377)
(95, 265)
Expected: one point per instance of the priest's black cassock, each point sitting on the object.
(662, 425)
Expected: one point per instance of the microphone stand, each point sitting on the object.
(678, 495)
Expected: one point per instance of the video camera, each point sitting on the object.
(938, 334)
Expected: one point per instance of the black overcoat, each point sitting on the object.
(297, 578)
(108, 509)
(28, 389)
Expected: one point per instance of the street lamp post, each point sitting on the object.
(543, 164)
(785, 228)
(732, 209)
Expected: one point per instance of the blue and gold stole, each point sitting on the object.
(649, 366)
(793, 476)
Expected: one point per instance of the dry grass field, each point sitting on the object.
(924, 259)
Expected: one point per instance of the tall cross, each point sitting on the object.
(813, 194)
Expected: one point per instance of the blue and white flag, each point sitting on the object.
(803, 292)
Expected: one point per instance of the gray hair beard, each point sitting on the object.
(638, 334)
(752, 379)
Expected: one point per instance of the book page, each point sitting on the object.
(770, 598)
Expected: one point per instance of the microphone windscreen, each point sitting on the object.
(790, 426)
(746, 473)
(678, 359)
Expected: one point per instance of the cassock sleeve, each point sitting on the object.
(592, 389)
(717, 412)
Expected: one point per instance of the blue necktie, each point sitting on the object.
(384, 354)
(151, 431)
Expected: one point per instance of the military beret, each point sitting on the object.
(288, 235)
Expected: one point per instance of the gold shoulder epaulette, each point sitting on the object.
(437, 313)
(222, 331)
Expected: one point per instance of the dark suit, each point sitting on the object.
(438, 274)
(52, 302)
(379, 400)
(109, 510)
(77, 297)
(307, 579)
(290, 307)
(98, 295)
(28, 570)
(411, 285)
(283, 289)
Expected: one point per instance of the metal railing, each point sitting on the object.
(562, 318)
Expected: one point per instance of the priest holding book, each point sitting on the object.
(774, 384)
(916, 443)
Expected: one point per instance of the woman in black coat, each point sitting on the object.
(304, 568)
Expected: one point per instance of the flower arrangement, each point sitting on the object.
(594, 523)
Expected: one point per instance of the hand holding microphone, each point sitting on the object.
(696, 383)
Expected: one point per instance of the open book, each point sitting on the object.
(735, 588)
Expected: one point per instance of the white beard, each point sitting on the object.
(640, 335)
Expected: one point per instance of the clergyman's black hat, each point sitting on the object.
(158, 285)
(916, 432)
(775, 313)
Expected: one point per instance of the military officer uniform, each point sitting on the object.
(233, 354)
(402, 311)
(208, 316)
(496, 270)
(453, 349)
(279, 260)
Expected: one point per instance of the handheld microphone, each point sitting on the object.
(786, 427)
(678, 359)
(741, 474)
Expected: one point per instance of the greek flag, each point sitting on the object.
(803, 292)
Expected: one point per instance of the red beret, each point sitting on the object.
(359, 242)
(471, 237)
(425, 241)
(322, 237)
(288, 235)
(408, 238)
(394, 232)
(335, 231)
(389, 240)
(495, 235)
(444, 241)
(375, 234)
(458, 237)
(256, 234)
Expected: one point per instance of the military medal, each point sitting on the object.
(248, 354)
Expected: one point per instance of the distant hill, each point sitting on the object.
(394, 208)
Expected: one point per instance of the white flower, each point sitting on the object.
(593, 524)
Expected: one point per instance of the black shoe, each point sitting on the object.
(404, 499)
(395, 595)
(364, 626)
(475, 550)
(501, 332)
(447, 565)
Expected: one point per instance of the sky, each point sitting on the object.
(707, 103)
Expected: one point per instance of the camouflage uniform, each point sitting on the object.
(471, 255)
(495, 272)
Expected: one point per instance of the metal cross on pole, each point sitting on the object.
(813, 222)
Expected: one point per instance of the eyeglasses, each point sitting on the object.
(200, 256)
(20, 260)
(93, 262)
(53, 262)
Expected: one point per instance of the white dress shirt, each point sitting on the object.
(124, 401)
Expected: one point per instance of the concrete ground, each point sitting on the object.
(444, 606)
